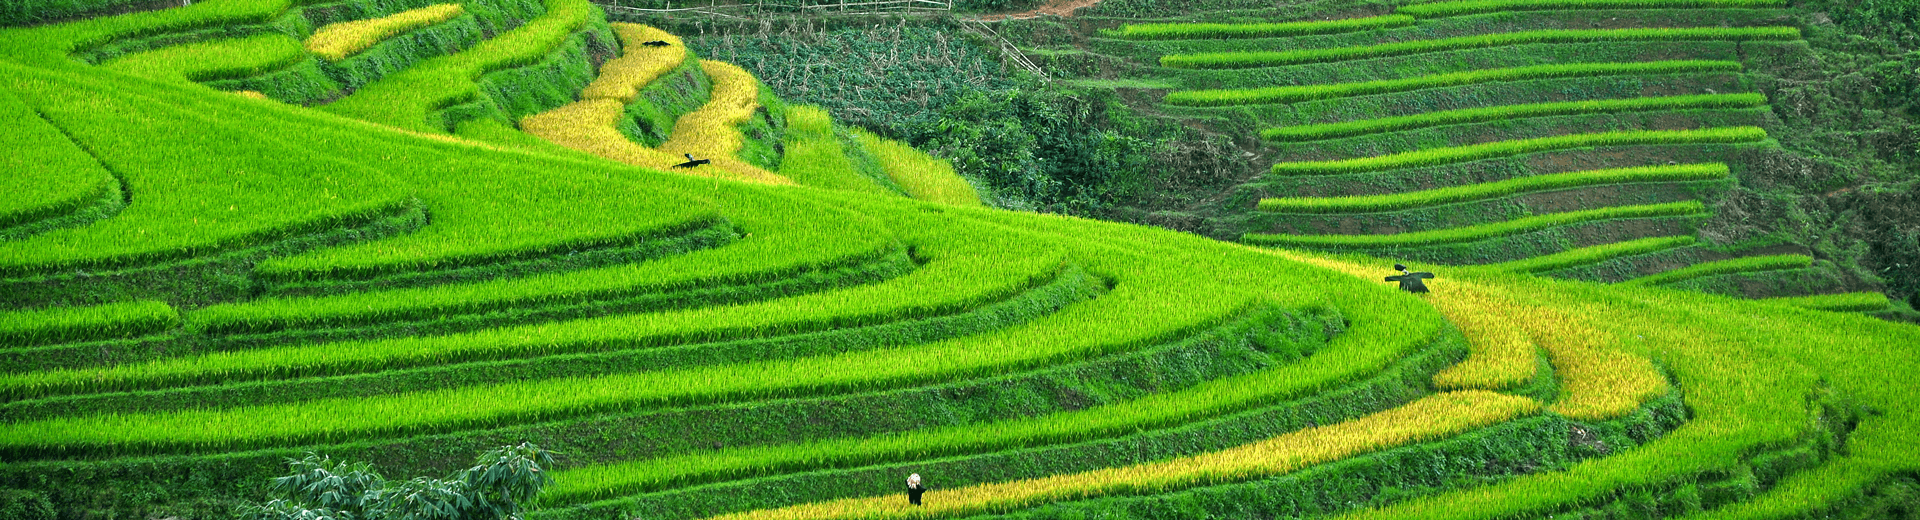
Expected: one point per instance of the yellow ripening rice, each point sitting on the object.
(1598, 381)
(336, 42)
(622, 77)
(588, 125)
(711, 130)
(923, 176)
(1434, 417)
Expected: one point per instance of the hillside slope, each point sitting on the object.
(424, 266)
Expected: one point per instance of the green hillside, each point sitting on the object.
(237, 232)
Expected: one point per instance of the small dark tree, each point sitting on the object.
(320, 488)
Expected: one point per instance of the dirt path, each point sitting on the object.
(1060, 8)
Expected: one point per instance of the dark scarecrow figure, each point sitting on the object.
(1410, 282)
(657, 43)
(692, 162)
(914, 489)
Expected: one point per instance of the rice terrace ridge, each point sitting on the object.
(546, 260)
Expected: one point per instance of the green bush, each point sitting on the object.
(1291, 94)
(1458, 154)
(16, 504)
(1238, 60)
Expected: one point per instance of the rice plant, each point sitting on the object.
(1195, 31)
(1594, 254)
(923, 176)
(1431, 418)
(1842, 302)
(76, 324)
(1730, 266)
(1298, 93)
(1496, 189)
(58, 180)
(1241, 60)
(1498, 149)
(1466, 7)
(1479, 232)
(1508, 112)
(336, 42)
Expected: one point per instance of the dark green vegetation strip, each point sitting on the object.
(1240, 60)
(1459, 154)
(1293, 94)
(1481, 232)
(1595, 254)
(1728, 266)
(1509, 112)
(1193, 31)
(1440, 9)
(1435, 197)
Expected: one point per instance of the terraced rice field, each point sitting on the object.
(1494, 132)
(477, 236)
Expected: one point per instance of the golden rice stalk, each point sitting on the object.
(1500, 351)
(588, 125)
(622, 77)
(337, 41)
(1434, 417)
(923, 176)
(710, 129)
(1597, 381)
